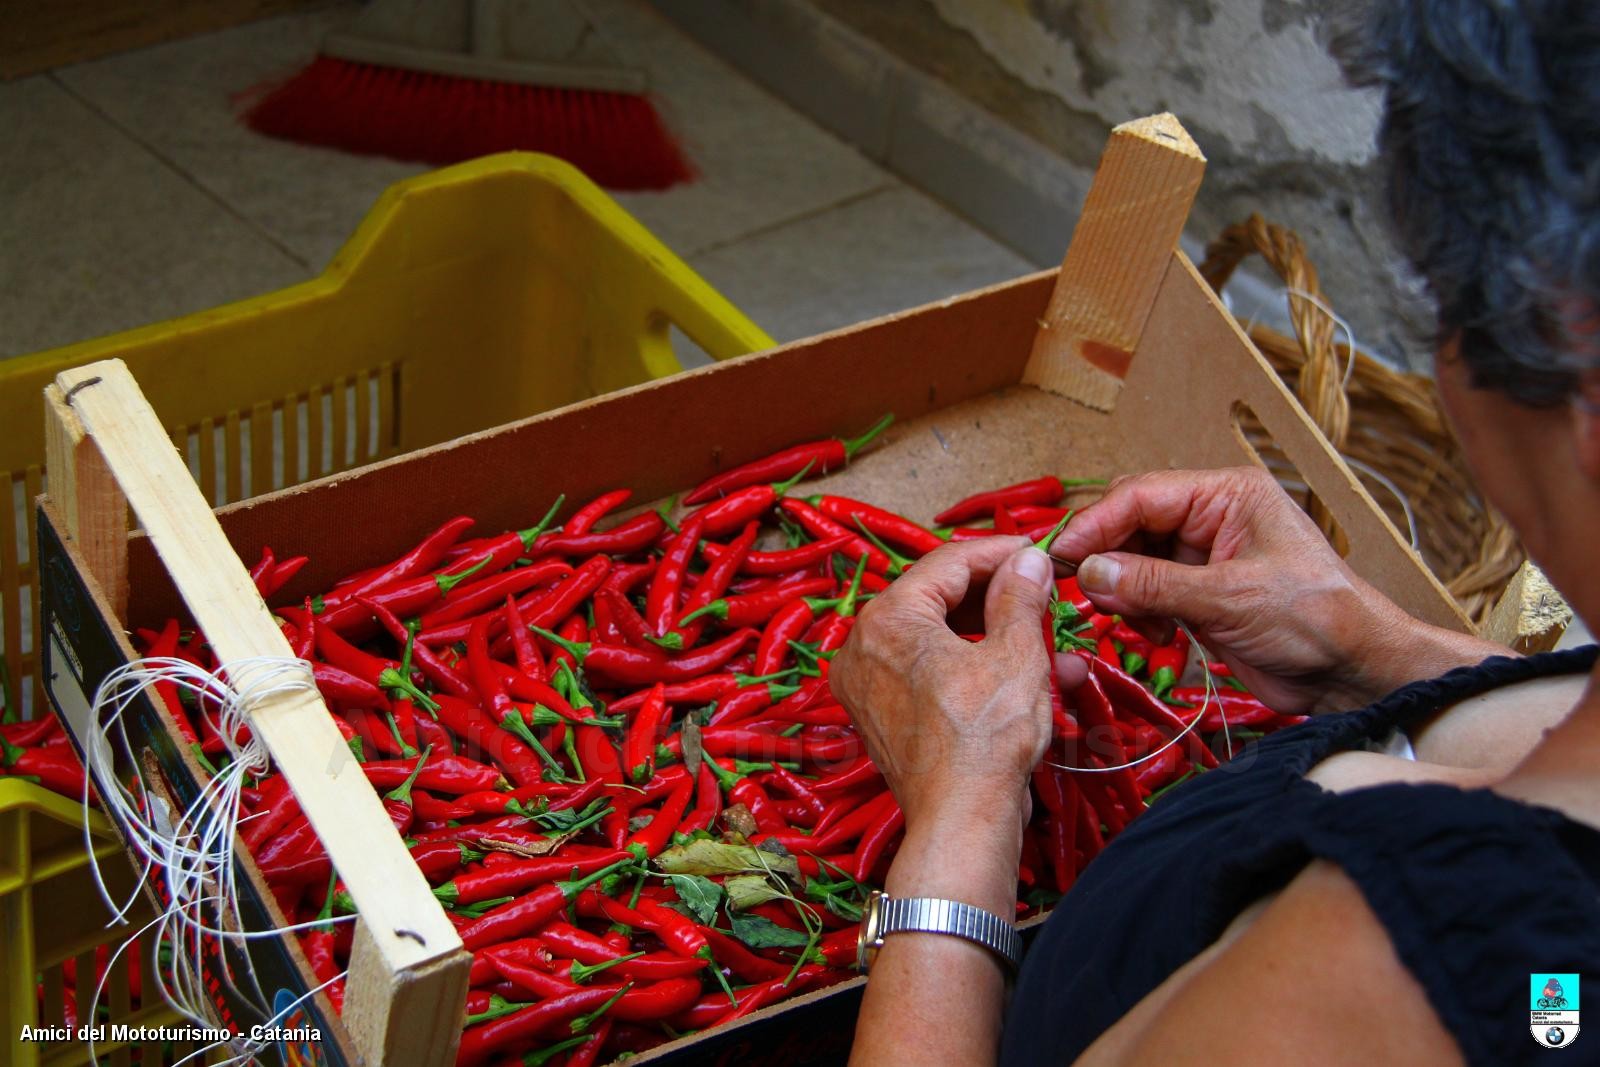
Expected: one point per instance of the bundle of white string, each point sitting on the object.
(193, 850)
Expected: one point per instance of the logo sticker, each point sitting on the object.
(1553, 1009)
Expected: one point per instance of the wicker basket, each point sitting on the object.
(1386, 423)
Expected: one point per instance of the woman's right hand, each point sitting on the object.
(1229, 553)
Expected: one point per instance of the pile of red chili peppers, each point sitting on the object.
(612, 749)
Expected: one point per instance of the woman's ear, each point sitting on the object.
(1586, 423)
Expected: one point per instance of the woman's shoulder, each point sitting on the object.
(1312, 977)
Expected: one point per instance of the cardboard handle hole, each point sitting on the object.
(1257, 443)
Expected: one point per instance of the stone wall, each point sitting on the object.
(1249, 78)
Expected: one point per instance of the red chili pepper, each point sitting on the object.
(624, 539)
(707, 801)
(442, 774)
(639, 1004)
(503, 745)
(530, 911)
(1236, 710)
(657, 834)
(697, 691)
(629, 623)
(875, 839)
(783, 561)
(859, 772)
(1166, 666)
(479, 1043)
(318, 945)
(1137, 700)
(749, 702)
(481, 596)
(620, 665)
(57, 769)
(344, 691)
(742, 506)
(743, 790)
(785, 627)
(661, 602)
(584, 518)
(540, 608)
(521, 875)
(1097, 714)
(757, 608)
(764, 747)
(746, 965)
(819, 457)
(819, 525)
(165, 646)
(423, 558)
(529, 662)
(644, 733)
(896, 529)
(1041, 491)
(380, 672)
(711, 585)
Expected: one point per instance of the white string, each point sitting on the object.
(1405, 501)
(1211, 690)
(194, 850)
(1338, 321)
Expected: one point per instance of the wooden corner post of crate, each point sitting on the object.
(107, 452)
(1133, 328)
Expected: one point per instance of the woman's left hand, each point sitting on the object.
(955, 726)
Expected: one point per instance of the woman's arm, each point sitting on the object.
(956, 728)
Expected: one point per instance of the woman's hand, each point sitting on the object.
(1229, 553)
(954, 726)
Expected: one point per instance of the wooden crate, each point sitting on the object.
(1123, 360)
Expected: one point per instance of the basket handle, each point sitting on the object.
(408, 971)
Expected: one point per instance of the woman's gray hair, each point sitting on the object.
(1490, 146)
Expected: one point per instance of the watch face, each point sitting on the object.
(869, 939)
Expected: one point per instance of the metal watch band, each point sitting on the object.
(934, 916)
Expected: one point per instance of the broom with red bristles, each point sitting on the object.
(372, 92)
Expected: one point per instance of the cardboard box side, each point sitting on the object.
(1193, 369)
(659, 438)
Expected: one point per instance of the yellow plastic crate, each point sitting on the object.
(467, 298)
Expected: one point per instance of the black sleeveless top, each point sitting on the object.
(1476, 891)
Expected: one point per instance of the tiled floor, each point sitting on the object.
(129, 193)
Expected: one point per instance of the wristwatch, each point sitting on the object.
(887, 915)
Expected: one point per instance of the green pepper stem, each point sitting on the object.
(583, 1022)
(717, 609)
(780, 488)
(499, 1006)
(569, 745)
(854, 445)
(672, 640)
(394, 729)
(665, 511)
(722, 979)
(582, 972)
(725, 778)
(848, 607)
(10, 753)
(447, 582)
(402, 792)
(531, 534)
(514, 723)
(570, 889)
(1043, 544)
(578, 650)
(896, 560)
(1073, 483)
(389, 678)
(196, 750)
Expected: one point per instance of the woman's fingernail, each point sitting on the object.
(1035, 567)
(1097, 574)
